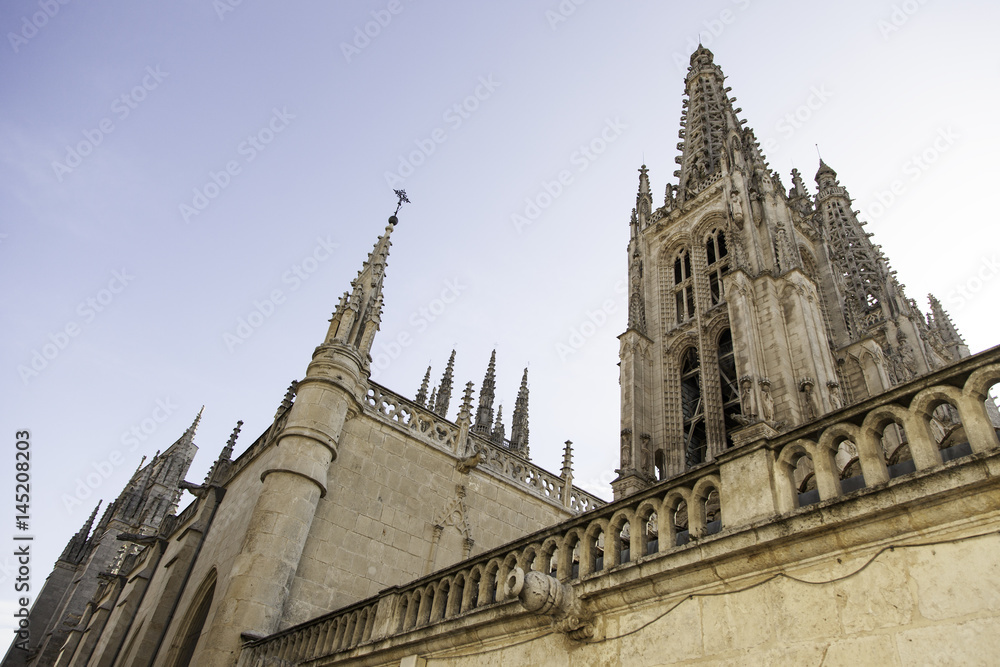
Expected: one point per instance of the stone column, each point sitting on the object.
(294, 479)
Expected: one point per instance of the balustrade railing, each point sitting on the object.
(674, 515)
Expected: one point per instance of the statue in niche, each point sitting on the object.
(626, 457)
(747, 397)
(766, 402)
(907, 357)
(644, 452)
(834, 388)
(736, 209)
(756, 208)
(811, 408)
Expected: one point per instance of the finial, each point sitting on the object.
(818, 153)
(228, 450)
(567, 467)
(401, 194)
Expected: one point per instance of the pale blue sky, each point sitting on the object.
(331, 121)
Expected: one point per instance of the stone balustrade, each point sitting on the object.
(439, 432)
(745, 488)
(419, 422)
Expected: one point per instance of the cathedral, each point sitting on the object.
(809, 473)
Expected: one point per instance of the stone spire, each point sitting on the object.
(643, 199)
(221, 465)
(707, 122)
(76, 548)
(498, 433)
(567, 466)
(567, 475)
(859, 263)
(465, 412)
(940, 321)
(421, 398)
(519, 424)
(433, 396)
(443, 401)
(484, 415)
(359, 312)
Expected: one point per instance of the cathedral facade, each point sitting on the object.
(808, 473)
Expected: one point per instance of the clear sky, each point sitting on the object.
(170, 170)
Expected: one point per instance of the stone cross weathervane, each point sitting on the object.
(401, 194)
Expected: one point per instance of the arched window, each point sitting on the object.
(683, 287)
(195, 623)
(692, 408)
(718, 264)
(729, 383)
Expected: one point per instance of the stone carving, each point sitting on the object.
(811, 408)
(747, 397)
(834, 389)
(546, 596)
(626, 458)
(736, 209)
(766, 402)
(465, 465)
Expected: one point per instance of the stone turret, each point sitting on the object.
(296, 466)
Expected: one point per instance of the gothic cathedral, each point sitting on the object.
(810, 472)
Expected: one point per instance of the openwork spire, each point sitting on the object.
(519, 424)
(440, 406)
(484, 415)
(859, 262)
(707, 122)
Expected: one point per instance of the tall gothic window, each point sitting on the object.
(718, 264)
(692, 408)
(729, 383)
(683, 287)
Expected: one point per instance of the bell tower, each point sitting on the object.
(725, 327)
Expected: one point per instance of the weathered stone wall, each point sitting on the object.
(926, 605)
(375, 528)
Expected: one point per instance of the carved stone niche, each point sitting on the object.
(547, 596)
